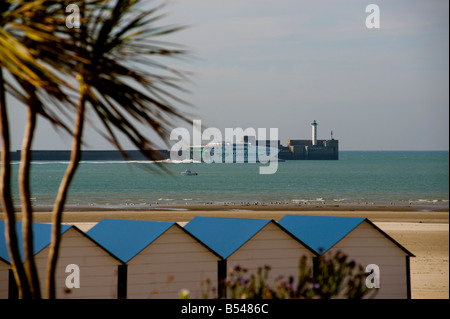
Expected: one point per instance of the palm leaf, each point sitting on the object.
(118, 47)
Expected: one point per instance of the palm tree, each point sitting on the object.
(110, 56)
(36, 84)
(113, 42)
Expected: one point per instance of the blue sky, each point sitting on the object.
(285, 63)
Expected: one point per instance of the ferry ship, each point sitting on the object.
(227, 152)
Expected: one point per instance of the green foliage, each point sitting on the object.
(332, 276)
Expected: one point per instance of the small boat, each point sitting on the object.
(188, 173)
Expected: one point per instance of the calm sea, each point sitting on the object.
(358, 177)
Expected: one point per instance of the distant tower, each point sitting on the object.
(314, 132)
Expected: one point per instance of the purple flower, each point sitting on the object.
(279, 277)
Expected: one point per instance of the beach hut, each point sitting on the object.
(251, 244)
(161, 258)
(360, 240)
(84, 268)
(4, 278)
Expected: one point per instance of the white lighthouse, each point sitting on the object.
(314, 132)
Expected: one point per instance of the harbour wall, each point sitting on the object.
(295, 150)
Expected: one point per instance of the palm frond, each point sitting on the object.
(27, 36)
(126, 83)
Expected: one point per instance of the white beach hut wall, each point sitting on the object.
(251, 244)
(96, 269)
(360, 240)
(161, 258)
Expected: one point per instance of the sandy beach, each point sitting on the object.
(424, 233)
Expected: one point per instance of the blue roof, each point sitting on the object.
(41, 238)
(126, 238)
(224, 235)
(320, 232)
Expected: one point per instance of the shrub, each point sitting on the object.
(332, 276)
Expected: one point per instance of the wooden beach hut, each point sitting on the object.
(4, 278)
(161, 258)
(84, 268)
(251, 244)
(360, 240)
